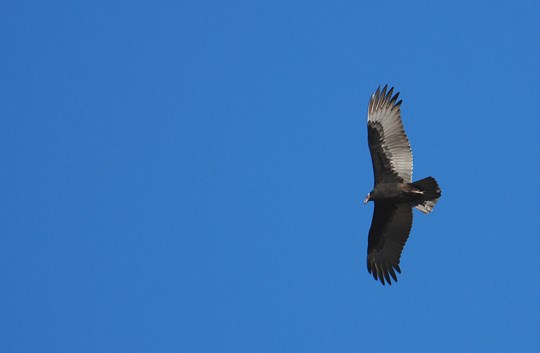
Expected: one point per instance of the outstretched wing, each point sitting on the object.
(389, 146)
(389, 231)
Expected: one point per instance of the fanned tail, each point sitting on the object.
(430, 196)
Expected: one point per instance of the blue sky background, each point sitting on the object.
(189, 176)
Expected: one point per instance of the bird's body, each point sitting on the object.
(394, 193)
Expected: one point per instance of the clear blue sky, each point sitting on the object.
(189, 176)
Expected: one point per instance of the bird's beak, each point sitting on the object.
(366, 199)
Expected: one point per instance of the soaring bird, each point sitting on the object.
(394, 193)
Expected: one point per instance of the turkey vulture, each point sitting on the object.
(394, 193)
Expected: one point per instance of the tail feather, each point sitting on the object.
(430, 196)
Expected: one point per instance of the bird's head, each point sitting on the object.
(368, 197)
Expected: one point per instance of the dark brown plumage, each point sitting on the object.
(394, 193)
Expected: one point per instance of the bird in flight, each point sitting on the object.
(394, 193)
